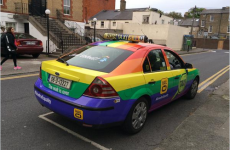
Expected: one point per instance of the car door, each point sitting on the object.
(178, 70)
(158, 78)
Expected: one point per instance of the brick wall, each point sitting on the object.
(209, 43)
(75, 9)
(9, 5)
(92, 7)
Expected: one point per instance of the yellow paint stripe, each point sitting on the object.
(213, 76)
(213, 80)
(195, 53)
(22, 76)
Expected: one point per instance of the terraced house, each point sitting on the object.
(66, 20)
(215, 22)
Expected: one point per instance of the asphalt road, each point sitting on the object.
(22, 129)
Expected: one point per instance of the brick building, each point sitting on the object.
(67, 18)
(215, 22)
(92, 7)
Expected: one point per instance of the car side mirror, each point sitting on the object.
(188, 65)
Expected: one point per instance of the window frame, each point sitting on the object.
(210, 28)
(177, 56)
(145, 19)
(14, 26)
(211, 18)
(1, 2)
(146, 57)
(102, 26)
(228, 29)
(64, 6)
(114, 23)
(202, 23)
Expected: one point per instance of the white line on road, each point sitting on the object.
(226, 52)
(213, 51)
(72, 132)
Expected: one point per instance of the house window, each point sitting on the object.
(162, 21)
(102, 24)
(229, 18)
(67, 7)
(126, 22)
(114, 23)
(145, 19)
(11, 24)
(210, 29)
(202, 23)
(228, 29)
(1, 2)
(211, 18)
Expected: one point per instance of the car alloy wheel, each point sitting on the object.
(139, 115)
(194, 88)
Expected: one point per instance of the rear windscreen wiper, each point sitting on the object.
(62, 60)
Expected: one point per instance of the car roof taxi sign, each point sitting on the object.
(126, 37)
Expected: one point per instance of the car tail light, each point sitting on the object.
(18, 43)
(40, 43)
(100, 88)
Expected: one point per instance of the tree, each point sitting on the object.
(194, 11)
(174, 15)
(160, 11)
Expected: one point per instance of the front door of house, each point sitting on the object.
(37, 7)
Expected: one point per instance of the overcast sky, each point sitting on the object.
(175, 5)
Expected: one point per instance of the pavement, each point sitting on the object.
(206, 129)
(32, 65)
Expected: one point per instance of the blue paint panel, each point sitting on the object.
(117, 114)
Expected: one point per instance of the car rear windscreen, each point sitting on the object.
(24, 36)
(99, 58)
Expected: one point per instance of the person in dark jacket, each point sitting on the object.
(10, 48)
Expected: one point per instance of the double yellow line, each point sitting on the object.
(212, 79)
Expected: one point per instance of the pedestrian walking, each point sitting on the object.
(2, 29)
(10, 48)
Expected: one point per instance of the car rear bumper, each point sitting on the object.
(29, 50)
(96, 112)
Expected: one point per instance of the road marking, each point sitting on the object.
(22, 76)
(213, 76)
(210, 82)
(72, 132)
(213, 51)
(195, 53)
(226, 52)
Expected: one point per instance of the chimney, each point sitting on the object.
(122, 5)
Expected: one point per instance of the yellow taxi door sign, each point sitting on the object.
(78, 113)
(164, 85)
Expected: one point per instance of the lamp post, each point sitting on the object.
(47, 12)
(94, 23)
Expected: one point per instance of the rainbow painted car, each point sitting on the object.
(115, 82)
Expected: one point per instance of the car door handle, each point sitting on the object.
(177, 77)
(152, 82)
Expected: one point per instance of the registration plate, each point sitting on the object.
(60, 81)
(30, 43)
(78, 113)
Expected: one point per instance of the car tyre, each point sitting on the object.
(35, 55)
(192, 90)
(137, 116)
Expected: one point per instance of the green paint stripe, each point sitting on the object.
(76, 90)
(107, 43)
